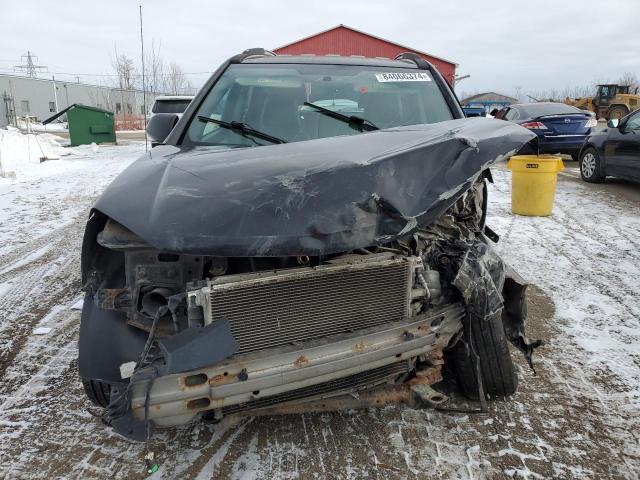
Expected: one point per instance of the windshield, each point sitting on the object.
(170, 106)
(271, 99)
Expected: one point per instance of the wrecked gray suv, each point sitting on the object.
(309, 236)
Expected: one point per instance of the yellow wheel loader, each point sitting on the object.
(611, 101)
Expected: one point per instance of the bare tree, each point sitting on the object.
(101, 95)
(629, 78)
(578, 91)
(125, 71)
(176, 83)
(154, 69)
(189, 89)
(518, 92)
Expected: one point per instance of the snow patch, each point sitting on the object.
(5, 287)
(20, 152)
(41, 330)
(78, 304)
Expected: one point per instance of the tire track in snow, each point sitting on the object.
(594, 233)
(40, 268)
(50, 280)
(609, 287)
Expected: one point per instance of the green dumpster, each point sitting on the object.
(87, 124)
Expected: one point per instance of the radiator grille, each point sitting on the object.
(368, 379)
(312, 303)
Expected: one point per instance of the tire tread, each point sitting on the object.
(98, 392)
(499, 376)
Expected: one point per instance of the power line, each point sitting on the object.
(76, 74)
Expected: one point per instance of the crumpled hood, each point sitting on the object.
(305, 198)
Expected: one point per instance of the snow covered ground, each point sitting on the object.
(20, 154)
(579, 417)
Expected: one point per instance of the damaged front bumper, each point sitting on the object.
(261, 378)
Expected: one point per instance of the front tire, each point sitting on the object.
(590, 166)
(98, 392)
(499, 377)
(617, 112)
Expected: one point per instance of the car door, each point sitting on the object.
(622, 148)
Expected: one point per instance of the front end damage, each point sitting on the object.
(324, 274)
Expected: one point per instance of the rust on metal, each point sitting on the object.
(223, 379)
(435, 357)
(301, 361)
(427, 375)
(378, 397)
(113, 298)
(359, 347)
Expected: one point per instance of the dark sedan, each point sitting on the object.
(559, 128)
(614, 151)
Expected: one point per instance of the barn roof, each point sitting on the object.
(346, 27)
(489, 97)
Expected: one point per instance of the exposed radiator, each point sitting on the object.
(269, 309)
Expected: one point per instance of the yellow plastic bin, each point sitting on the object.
(534, 183)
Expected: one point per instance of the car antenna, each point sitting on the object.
(144, 89)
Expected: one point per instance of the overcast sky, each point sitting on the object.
(503, 45)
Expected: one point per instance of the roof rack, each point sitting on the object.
(415, 58)
(252, 52)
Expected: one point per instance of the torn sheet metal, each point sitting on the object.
(488, 285)
(480, 280)
(306, 198)
(490, 289)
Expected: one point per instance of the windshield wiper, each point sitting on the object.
(355, 122)
(243, 129)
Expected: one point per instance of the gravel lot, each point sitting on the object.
(579, 417)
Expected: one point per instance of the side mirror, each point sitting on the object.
(613, 123)
(161, 125)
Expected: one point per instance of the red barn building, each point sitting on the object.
(343, 40)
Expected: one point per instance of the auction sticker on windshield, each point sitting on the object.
(403, 77)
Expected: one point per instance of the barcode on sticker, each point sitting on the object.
(403, 77)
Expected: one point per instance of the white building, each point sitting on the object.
(41, 98)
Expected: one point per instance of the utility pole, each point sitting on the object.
(55, 92)
(29, 65)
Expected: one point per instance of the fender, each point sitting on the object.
(106, 342)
